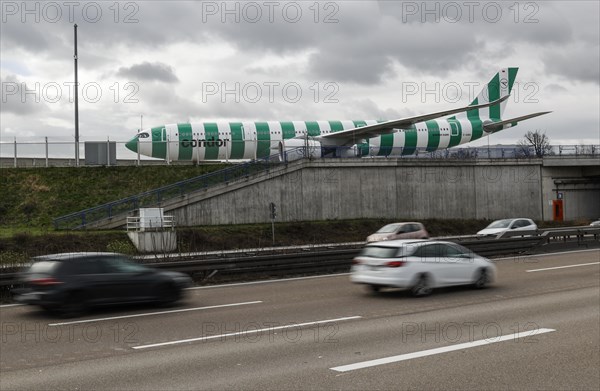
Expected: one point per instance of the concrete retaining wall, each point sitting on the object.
(375, 188)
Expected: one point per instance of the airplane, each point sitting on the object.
(293, 140)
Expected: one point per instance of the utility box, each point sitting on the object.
(151, 231)
(557, 210)
(100, 153)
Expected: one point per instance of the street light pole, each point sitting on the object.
(76, 103)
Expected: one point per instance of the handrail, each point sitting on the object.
(151, 198)
(135, 223)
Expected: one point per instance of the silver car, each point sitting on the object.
(410, 230)
(517, 224)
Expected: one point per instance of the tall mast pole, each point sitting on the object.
(76, 103)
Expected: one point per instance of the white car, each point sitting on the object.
(595, 223)
(420, 265)
(500, 226)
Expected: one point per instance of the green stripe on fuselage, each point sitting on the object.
(263, 136)
(336, 126)
(433, 135)
(186, 138)
(474, 113)
(312, 128)
(410, 141)
(477, 129)
(455, 133)
(237, 140)
(159, 146)
(473, 117)
(211, 145)
(386, 144)
(288, 130)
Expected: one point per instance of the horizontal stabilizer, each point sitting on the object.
(496, 126)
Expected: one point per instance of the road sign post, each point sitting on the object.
(273, 213)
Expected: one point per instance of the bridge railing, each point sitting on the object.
(32, 153)
(492, 152)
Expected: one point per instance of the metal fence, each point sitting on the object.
(47, 153)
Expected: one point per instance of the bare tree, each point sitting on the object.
(538, 141)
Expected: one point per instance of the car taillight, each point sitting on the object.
(45, 281)
(394, 264)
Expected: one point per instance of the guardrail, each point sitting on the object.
(338, 257)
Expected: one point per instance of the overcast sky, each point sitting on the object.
(171, 61)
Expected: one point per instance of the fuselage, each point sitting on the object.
(251, 140)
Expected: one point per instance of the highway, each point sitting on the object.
(537, 327)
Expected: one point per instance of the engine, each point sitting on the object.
(299, 148)
(294, 149)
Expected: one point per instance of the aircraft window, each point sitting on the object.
(143, 135)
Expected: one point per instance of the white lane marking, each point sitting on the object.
(154, 313)
(244, 333)
(10, 305)
(268, 281)
(562, 267)
(430, 352)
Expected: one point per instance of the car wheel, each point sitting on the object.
(74, 305)
(422, 287)
(482, 279)
(373, 288)
(168, 294)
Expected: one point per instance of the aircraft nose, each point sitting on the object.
(132, 144)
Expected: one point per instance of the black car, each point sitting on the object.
(70, 283)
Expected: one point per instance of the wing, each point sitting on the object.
(350, 136)
(496, 126)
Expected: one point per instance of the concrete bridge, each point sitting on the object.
(324, 189)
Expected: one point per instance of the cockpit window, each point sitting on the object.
(143, 135)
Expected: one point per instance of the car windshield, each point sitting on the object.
(390, 228)
(122, 265)
(500, 224)
(379, 252)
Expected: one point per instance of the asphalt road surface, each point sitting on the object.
(537, 327)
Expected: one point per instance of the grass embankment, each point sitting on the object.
(31, 197)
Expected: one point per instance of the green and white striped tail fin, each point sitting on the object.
(499, 87)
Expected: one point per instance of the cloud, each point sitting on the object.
(20, 98)
(150, 71)
(368, 50)
(575, 62)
